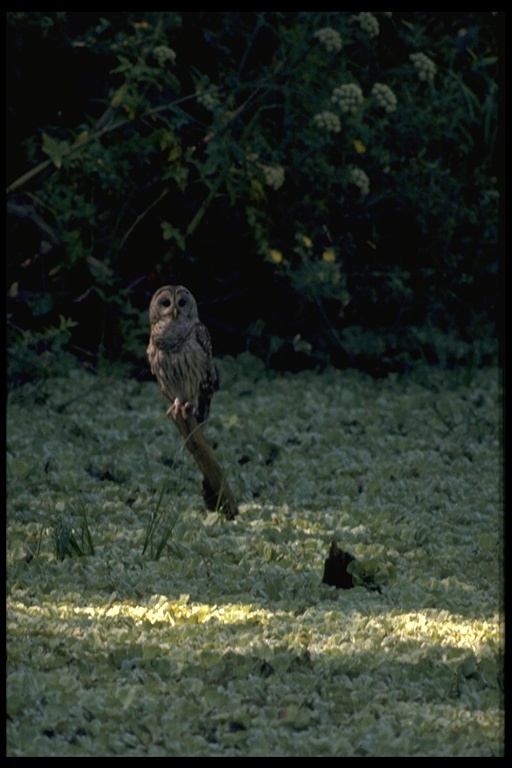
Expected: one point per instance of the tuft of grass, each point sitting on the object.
(66, 541)
(162, 521)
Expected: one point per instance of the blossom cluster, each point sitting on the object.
(328, 120)
(207, 97)
(348, 97)
(273, 175)
(384, 96)
(368, 23)
(425, 66)
(359, 178)
(330, 38)
(163, 53)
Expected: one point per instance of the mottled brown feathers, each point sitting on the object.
(180, 351)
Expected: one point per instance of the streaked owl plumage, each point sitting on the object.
(180, 350)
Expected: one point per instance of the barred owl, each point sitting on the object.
(180, 352)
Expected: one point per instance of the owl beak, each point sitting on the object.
(175, 312)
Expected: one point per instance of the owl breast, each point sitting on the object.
(180, 372)
(171, 337)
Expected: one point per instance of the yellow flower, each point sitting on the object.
(359, 146)
(307, 241)
(329, 255)
(276, 256)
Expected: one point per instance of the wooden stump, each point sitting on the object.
(216, 491)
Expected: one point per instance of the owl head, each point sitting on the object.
(174, 302)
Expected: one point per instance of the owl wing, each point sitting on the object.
(209, 382)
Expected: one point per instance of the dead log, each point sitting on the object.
(216, 491)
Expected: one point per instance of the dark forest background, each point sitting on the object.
(327, 184)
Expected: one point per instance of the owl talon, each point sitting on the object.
(173, 410)
(186, 410)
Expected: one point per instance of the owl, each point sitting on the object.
(180, 352)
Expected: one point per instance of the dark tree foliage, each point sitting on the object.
(326, 183)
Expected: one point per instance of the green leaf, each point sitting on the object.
(55, 149)
(171, 233)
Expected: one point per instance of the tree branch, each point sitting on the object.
(216, 491)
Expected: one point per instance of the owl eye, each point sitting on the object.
(166, 303)
(182, 302)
